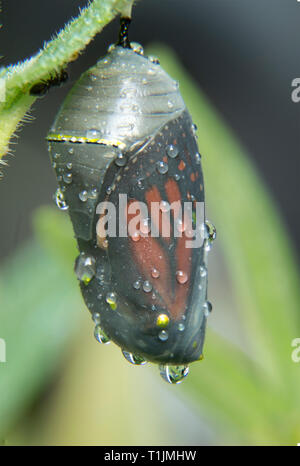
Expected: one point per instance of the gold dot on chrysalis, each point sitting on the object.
(162, 321)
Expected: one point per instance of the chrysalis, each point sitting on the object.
(123, 143)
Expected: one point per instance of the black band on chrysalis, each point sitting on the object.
(123, 34)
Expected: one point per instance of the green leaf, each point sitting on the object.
(54, 231)
(39, 310)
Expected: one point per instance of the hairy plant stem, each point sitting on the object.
(18, 79)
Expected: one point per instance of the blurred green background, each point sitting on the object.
(59, 386)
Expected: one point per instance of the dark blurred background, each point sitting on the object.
(244, 55)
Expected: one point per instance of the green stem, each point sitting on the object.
(53, 57)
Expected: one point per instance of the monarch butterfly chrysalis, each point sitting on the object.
(123, 139)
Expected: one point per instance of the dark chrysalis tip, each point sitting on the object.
(40, 89)
(123, 34)
(123, 146)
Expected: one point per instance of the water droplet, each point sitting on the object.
(93, 77)
(172, 151)
(101, 278)
(211, 232)
(120, 160)
(173, 374)
(151, 72)
(194, 131)
(198, 158)
(83, 196)
(162, 167)
(134, 358)
(135, 236)
(147, 287)
(181, 327)
(85, 268)
(145, 226)
(207, 308)
(96, 318)
(137, 285)
(203, 271)
(176, 177)
(164, 206)
(89, 89)
(67, 177)
(180, 225)
(163, 335)
(56, 156)
(71, 150)
(111, 48)
(170, 104)
(93, 134)
(60, 200)
(93, 193)
(69, 165)
(111, 298)
(54, 165)
(155, 273)
(153, 59)
(137, 48)
(101, 336)
(140, 183)
(181, 277)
